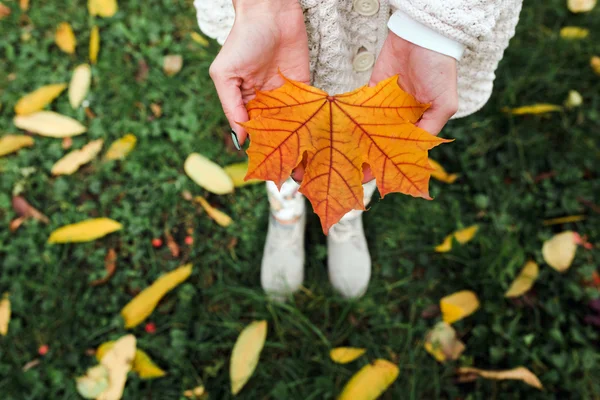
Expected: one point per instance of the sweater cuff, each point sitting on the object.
(421, 35)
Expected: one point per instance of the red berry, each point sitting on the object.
(157, 242)
(150, 327)
(43, 350)
(189, 240)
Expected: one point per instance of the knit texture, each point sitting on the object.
(336, 34)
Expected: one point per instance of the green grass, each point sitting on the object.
(497, 155)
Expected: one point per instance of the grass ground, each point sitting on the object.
(501, 160)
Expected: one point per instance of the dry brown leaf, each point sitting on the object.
(595, 64)
(79, 85)
(39, 98)
(581, 6)
(16, 223)
(142, 72)
(559, 250)
(12, 143)
(441, 342)
(110, 265)
(207, 174)
(4, 314)
(76, 158)
(24, 209)
(156, 110)
(49, 123)
(4, 11)
(458, 305)
(217, 215)
(172, 244)
(102, 8)
(564, 220)
(524, 281)
(172, 64)
(66, 143)
(65, 38)
(94, 44)
(195, 392)
(574, 32)
(519, 373)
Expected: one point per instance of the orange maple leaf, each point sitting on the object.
(335, 136)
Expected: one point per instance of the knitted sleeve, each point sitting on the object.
(466, 21)
(215, 18)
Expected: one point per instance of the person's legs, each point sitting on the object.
(282, 270)
(348, 255)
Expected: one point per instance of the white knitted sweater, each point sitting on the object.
(337, 33)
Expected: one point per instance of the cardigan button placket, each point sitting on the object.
(366, 7)
(363, 61)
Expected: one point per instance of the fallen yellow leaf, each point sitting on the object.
(564, 220)
(4, 314)
(102, 8)
(94, 44)
(458, 305)
(93, 383)
(345, 355)
(440, 173)
(519, 373)
(595, 64)
(24, 5)
(49, 123)
(542, 108)
(581, 6)
(38, 99)
(462, 236)
(524, 281)
(84, 231)
(118, 361)
(217, 215)
(142, 305)
(120, 148)
(142, 363)
(65, 38)
(172, 64)
(246, 353)
(370, 381)
(574, 32)
(76, 158)
(12, 143)
(79, 85)
(441, 342)
(198, 38)
(559, 250)
(207, 174)
(237, 172)
(195, 392)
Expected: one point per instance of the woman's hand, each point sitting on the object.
(428, 75)
(268, 36)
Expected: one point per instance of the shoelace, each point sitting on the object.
(344, 231)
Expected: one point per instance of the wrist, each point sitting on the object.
(271, 6)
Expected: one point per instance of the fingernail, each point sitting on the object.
(236, 142)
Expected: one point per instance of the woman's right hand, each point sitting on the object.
(268, 36)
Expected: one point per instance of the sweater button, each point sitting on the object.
(363, 61)
(366, 7)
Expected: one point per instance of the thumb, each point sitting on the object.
(436, 117)
(230, 96)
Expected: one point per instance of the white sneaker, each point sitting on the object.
(349, 259)
(282, 269)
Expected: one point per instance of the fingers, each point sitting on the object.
(441, 111)
(233, 105)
